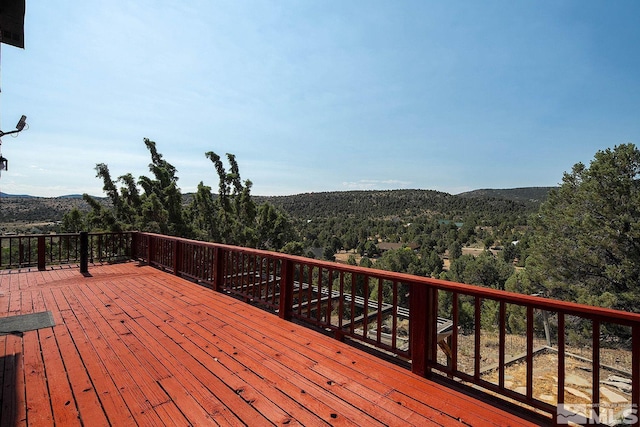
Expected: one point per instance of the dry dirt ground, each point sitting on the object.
(615, 363)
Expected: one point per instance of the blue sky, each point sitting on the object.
(320, 95)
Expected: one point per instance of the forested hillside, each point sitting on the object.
(533, 195)
(26, 209)
(348, 204)
(402, 203)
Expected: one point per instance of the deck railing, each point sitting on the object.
(557, 357)
(464, 333)
(40, 250)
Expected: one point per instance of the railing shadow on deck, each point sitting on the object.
(516, 348)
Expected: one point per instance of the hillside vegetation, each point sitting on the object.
(408, 203)
(26, 209)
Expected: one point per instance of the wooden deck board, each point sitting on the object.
(86, 399)
(135, 346)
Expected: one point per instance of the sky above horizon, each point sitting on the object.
(316, 96)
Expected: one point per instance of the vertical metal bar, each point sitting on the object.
(100, 246)
(454, 334)
(635, 372)
(379, 316)
(258, 263)
(64, 242)
(309, 290)
(330, 296)
(365, 313)
(394, 318)
(20, 252)
(354, 284)
(233, 270)
(194, 256)
(561, 356)
(268, 272)
(341, 300)
(501, 344)
(595, 379)
(476, 349)
(319, 296)
(263, 284)
(240, 273)
(529, 359)
(248, 266)
(432, 324)
(254, 274)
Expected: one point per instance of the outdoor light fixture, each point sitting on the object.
(4, 162)
(21, 123)
(19, 127)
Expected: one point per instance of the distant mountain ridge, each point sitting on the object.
(409, 203)
(23, 196)
(26, 196)
(524, 194)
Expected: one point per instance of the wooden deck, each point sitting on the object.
(132, 345)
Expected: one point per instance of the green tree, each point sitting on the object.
(455, 250)
(230, 217)
(329, 254)
(274, 229)
(366, 262)
(73, 221)
(587, 237)
(487, 270)
(402, 260)
(293, 248)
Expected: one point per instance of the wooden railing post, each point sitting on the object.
(422, 327)
(635, 374)
(286, 289)
(84, 252)
(42, 253)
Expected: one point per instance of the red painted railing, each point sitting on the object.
(40, 250)
(411, 318)
(549, 355)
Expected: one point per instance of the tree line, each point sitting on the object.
(155, 204)
(580, 244)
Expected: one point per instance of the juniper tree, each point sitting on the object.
(586, 244)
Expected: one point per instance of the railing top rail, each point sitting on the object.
(99, 233)
(570, 308)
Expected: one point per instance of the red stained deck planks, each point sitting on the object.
(133, 345)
